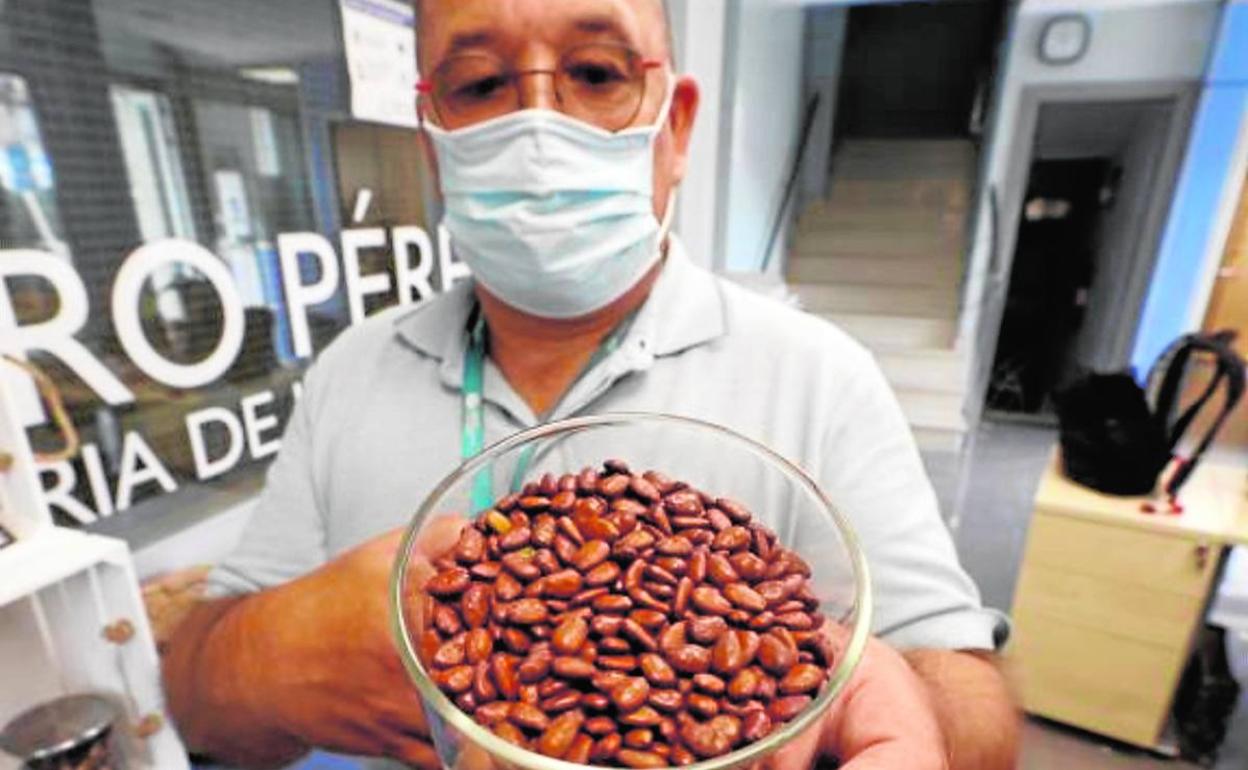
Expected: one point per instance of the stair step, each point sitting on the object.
(850, 216)
(903, 164)
(876, 243)
(937, 369)
(938, 440)
(928, 270)
(909, 147)
(922, 301)
(918, 157)
(895, 332)
(932, 409)
(934, 194)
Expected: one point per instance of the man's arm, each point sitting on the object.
(255, 681)
(973, 706)
(213, 681)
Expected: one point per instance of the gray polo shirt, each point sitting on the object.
(380, 422)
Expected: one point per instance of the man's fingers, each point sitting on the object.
(404, 712)
(440, 535)
(799, 753)
(436, 539)
(883, 717)
(415, 753)
(473, 757)
(884, 756)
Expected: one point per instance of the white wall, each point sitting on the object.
(1122, 243)
(698, 36)
(825, 43)
(765, 61)
(1133, 41)
(747, 56)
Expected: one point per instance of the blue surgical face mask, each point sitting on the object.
(554, 216)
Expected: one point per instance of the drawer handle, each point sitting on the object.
(1202, 557)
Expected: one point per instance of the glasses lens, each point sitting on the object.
(601, 84)
(474, 88)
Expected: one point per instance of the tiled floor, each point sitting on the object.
(1048, 746)
(992, 527)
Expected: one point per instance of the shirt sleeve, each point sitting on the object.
(923, 598)
(285, 536)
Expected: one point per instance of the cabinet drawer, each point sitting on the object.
(1141, 612)
(1126, 555)
(1094, 679)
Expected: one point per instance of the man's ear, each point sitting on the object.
(680, 119)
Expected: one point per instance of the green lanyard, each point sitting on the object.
(473, 440)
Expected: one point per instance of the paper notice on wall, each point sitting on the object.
(268, 163)
(379, 40)
(233, 213)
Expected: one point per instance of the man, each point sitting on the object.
(559, 133)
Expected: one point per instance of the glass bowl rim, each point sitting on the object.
(521, 757)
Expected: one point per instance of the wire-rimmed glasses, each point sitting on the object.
(600, 83)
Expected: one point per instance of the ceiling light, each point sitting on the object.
(278, 76)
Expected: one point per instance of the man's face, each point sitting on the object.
(534, 34)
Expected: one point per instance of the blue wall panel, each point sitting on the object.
(1175, 288)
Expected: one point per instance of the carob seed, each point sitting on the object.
(624, 619)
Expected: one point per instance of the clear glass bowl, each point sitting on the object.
(707, 456)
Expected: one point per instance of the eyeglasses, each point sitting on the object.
(599, 83)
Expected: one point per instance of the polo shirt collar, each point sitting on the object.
(438, 329)
(685, 309)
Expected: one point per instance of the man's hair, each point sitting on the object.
(667, 24)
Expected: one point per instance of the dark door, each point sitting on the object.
(912, 69)
(1054, 260)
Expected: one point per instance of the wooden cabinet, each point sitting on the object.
(1109, 597)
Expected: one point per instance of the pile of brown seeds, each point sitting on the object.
(620, 619)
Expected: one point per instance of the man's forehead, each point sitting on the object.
(650, 16)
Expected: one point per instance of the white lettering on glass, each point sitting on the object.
(360, 285)
(412, 277)
(54, 335)
(207, 467)
(256, 424)
(256, 431)
(127, 295)
(301, 296)
(61, 493)
(97, 480)
(450, 269)
(139, 465)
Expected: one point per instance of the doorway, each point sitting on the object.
(913, 70)
(1053, 266)
(1084, 249)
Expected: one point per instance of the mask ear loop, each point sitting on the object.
(669, 214)
(665, 110)
(669, 211)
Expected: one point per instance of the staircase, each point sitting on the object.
(881, 257)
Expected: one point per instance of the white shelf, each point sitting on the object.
(59, 590)
(52, 556)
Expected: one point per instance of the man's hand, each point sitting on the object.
(256, 681)
(977, 715)
(882, 720)
(937, 709)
